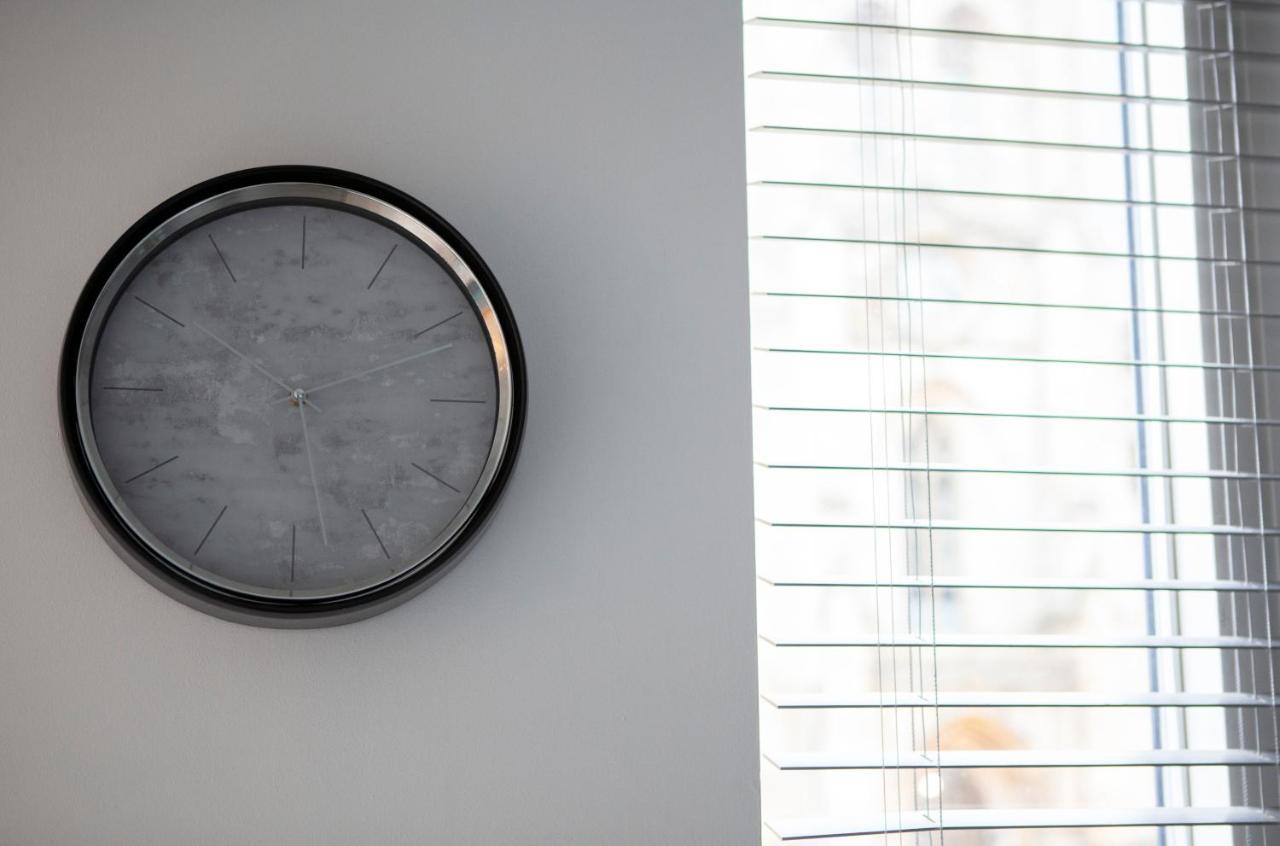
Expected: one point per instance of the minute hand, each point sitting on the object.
(380, 367)
(251, 363)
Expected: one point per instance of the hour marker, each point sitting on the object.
(375, 534)
(469, 402)
(304, 241)
(163, 314)
(128, 388)
(212, 526)
(149, 469)
(437, 478)
(222, 258)
(434, 325)
(378, 272)
(293, 550)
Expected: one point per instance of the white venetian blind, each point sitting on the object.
(1013, 274)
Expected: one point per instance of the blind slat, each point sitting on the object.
(956, 526)
(1011, 195)
(1026, 143)
(1021, 641)
(1022, 758)
(1006, 37)
(1027, 415)
(1026, 359)
(887, 298)
(1018, 699)
(1116, 472)
(1013, 583)
(813, 828)
(1012, 248)
(1009, 90)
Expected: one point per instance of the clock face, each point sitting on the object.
(294, 399)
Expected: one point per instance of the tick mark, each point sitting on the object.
(149, 469)
(223, 258)
(163, 314)
(437, 478)
(378, 272)
(375, 534)
(128, 388)
(434, 325)
(304, 242)
(293, 550)
(212, 526)
(469, 402)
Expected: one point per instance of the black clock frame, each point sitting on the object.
(230, 604)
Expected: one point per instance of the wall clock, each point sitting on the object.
(291, 396)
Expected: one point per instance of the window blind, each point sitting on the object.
(1012, 275)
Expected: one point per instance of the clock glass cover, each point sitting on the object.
(291, 395)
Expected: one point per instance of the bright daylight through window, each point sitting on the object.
(1012, 282)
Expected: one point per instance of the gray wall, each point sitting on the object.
(587, 675)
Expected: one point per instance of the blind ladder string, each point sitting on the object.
(924, 418)
(871, 444)
(1172, 567)
(914, 666)
(1139, 350)
(877, 239)
(905, 394)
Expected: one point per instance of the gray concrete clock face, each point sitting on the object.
(294, 400)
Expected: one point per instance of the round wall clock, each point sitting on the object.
(291, 396)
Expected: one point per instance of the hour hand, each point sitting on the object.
(258, 367)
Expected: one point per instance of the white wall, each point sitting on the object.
(587, 675)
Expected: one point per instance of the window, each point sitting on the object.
(1011, 282)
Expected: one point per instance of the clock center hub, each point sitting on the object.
(298, 397)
